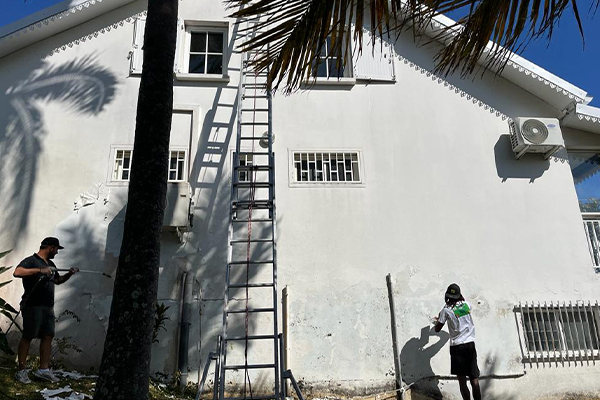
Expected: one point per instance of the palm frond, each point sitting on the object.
(292, 32)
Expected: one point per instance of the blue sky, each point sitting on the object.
(564, 56)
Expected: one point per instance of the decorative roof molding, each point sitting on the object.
(49, 20)
(95, 34)
(439, 23)
(453, 88)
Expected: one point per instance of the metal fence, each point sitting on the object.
(559, 332)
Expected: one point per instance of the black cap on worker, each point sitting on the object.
(453, 292)
(51, 241)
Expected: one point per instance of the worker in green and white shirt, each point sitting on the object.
(463, 355)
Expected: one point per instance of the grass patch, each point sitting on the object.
(10, 389)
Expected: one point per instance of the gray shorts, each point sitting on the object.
(38, 321)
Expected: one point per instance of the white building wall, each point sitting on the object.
(443, 201)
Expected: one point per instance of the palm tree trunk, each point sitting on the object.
(124, 372)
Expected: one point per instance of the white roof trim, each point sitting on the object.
(52, 20)
(539, 79)
(583, 117)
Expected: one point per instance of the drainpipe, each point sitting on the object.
(187, 284)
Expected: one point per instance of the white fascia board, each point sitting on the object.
(52, 20)
(584, 117)
(523, 73)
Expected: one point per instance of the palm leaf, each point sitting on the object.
(5, 306)
(5, 283)
(4, 344)
(292, 32)
(4, 269)
(4, 253)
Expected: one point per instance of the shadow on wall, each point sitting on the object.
(80, 86)
(530, 166)
(415, 359)
(488, 389)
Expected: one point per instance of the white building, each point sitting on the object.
(431, 193)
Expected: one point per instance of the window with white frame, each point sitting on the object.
(244, 160)
(339, 167)
(122, 165)
(123, 158)
(205, 49)
(554, 331)
(331, 65)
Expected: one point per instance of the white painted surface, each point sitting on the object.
(442, 201)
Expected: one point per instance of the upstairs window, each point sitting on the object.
(331, 65)
(327, 167)
(177, 161)
(205, 49)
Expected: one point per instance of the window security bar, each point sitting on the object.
(559, 332)
(592, 232)
(328, 167)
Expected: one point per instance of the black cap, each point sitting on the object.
(51, 241)
(453, 292)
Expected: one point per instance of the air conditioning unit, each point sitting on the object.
(179, 205)
(535, 135)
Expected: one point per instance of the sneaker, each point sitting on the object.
(45, 375)
(22, 376)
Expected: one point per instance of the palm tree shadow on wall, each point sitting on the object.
(80, 86)
(415, 361)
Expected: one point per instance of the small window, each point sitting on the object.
(331, 65)
(245, 160)
(177, 166)
(555, 332)
(341, 167)
(205, 50)
(122, 165)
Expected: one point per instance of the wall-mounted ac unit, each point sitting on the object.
(179, 205)
(535, 135)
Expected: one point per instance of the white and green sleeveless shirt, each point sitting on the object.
(460, 323)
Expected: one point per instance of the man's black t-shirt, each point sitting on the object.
(42, 293)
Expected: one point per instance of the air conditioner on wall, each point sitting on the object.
(178, 207)
(535, 135)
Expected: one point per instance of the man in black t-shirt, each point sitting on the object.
(39, 276)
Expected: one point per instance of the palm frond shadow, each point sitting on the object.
(81, 86)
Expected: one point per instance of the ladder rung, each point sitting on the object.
(254, 153)
(255, 205)
(250, 337)
(253, 220)
(258, 96)
(251, 262)
(246, 123)
(251, 241)
(253, 167)
(253, 184)
(251, 398)
(251, 285)
(250, 366)
(251, 310)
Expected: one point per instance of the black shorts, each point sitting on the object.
(38, 321)
(463, 360)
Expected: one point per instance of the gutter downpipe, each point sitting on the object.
(184, 329)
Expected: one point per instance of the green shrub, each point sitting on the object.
(8, 311)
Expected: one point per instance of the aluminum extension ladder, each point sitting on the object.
(251, 274)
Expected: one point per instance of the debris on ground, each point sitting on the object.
(51, 394)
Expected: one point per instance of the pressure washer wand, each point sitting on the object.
(84, 271)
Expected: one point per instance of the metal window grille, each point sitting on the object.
(592, 231)
(555, 332)
(122, 165)
(176, 166)
(245, 160)
(338, 167)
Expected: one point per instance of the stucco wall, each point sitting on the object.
(443, 201)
